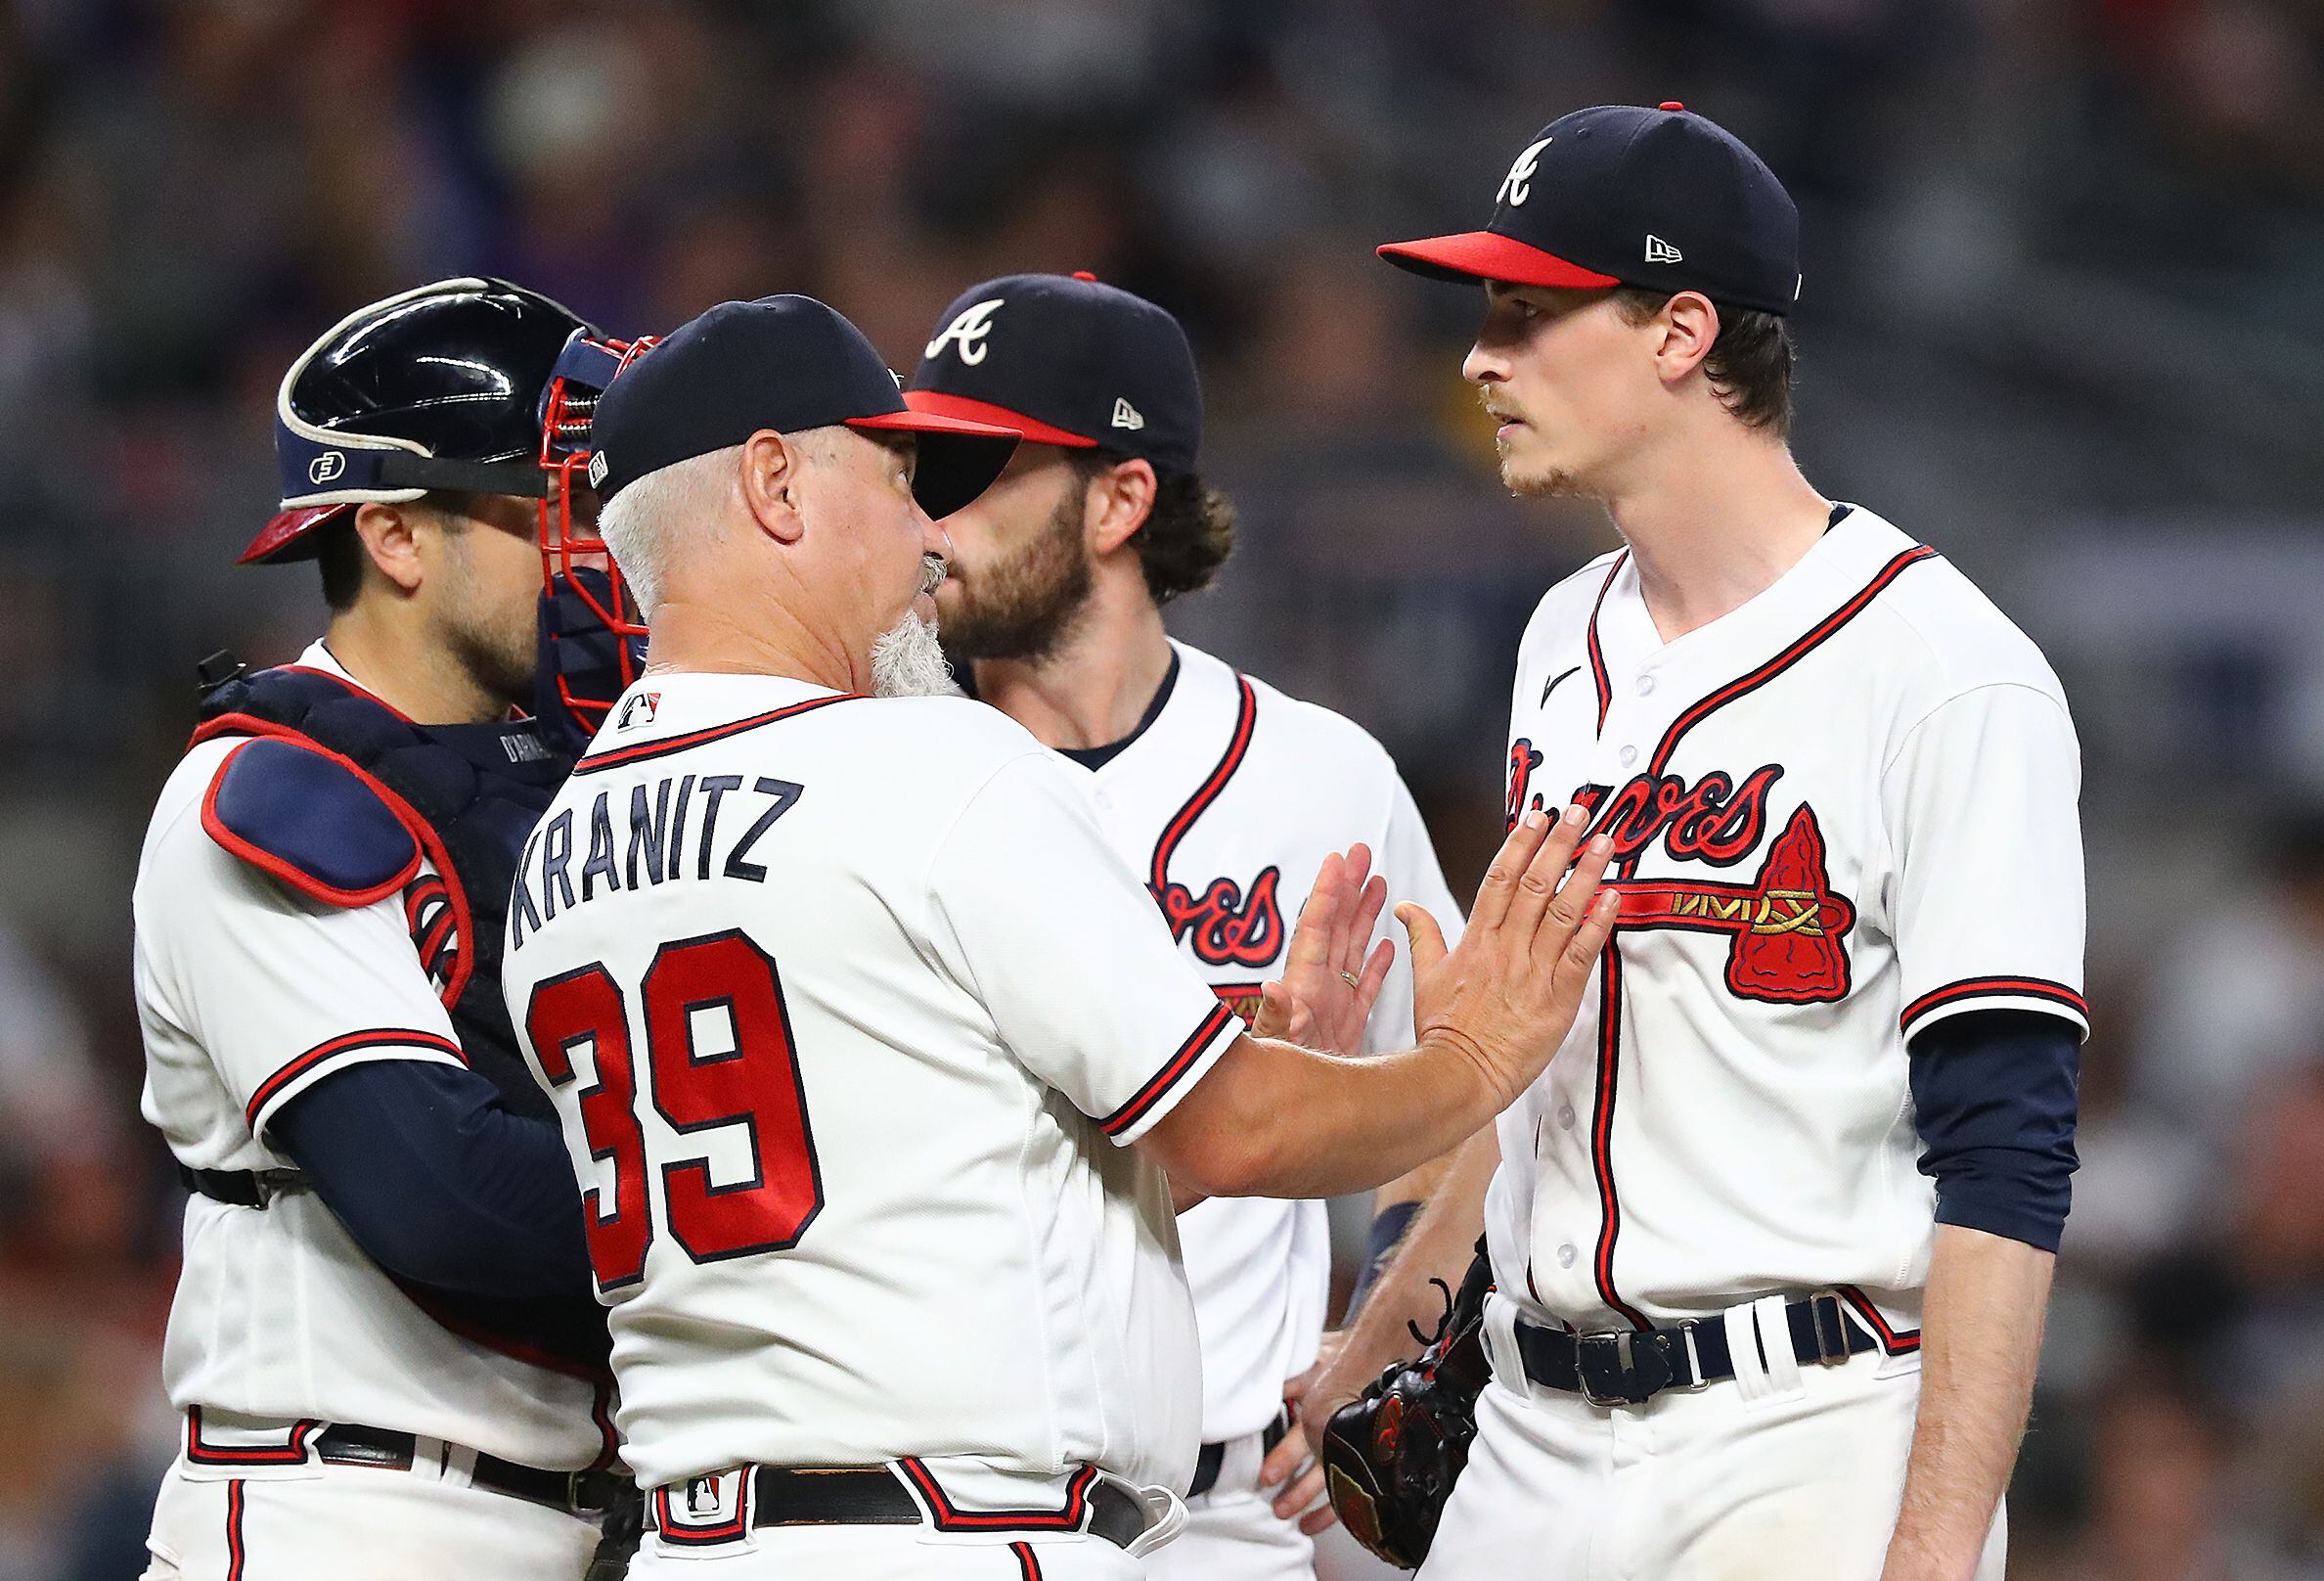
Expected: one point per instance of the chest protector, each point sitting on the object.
(468, 794)
(468, 798)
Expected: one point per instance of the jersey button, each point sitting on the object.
(1645, 685)
(1565, 1117)
(1629, 755)
(1566, 1255)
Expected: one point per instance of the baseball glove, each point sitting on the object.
(1392, 1455)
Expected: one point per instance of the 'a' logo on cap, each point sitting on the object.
(968, 332)
(1517, 184)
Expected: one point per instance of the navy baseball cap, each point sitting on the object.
(1065, 360)
(1622, 196)
(786, 363)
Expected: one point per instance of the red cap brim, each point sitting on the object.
(936, 403)
(1490, 256)
(930, 422)
(959, 460)
(285, 537)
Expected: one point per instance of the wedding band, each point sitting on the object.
(1351, 979)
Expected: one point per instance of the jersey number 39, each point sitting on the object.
(718, 1047)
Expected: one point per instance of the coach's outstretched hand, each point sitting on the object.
(1504, 998)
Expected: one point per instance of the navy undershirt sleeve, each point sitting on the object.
(1994, 1095)
(440, 1183)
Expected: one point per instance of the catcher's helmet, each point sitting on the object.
(443, 387)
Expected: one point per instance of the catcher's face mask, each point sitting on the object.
(575, 562)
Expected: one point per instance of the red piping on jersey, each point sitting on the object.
(1790, 655)
(701, 737)
(1028, 1567)
(726, 1531)
(431, 845)
(1597, 657)
(235, 1498)
(291, 1452)
(2057, 993)
(306, 883)
(1601, 1138)
(1601, 1128)
(1146, 1097)
(1246, 716)
(1892, 1341)
(379, 1037)
(949, 1518)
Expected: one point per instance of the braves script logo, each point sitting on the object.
(968, 332)
(1786, 927)
(1224, 925)
(1517, 184)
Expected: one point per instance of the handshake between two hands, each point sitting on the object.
(1502, 998)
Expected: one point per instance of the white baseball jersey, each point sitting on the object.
(850, 1012)
(1840, 813)
(1227, 803)
(249, 993)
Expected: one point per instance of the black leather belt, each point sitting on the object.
(1630, 1368)
(242, 1188)
(1214, 1454)
(577, 1493)
(872, 1496)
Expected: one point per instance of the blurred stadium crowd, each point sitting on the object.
(2063, 318)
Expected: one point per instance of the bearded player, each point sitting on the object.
(1223, 793)
(1772, 1237)
(383, 1343)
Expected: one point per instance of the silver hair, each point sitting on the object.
(644, 523)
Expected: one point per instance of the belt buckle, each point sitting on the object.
(1830, 1350)
(577, 1498)
(1602, 1366)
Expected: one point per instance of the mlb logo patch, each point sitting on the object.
(703, 1511)
(639, 710)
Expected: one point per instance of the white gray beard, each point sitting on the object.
(907, 662)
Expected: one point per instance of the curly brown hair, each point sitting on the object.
(1185, 537)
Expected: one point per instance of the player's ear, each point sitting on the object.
(769, 481)
(390, 537)
(1122, 497)
(1688, 324)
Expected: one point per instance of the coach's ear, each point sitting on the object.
(770, 486)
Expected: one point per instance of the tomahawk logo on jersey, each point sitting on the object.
(1795, 907)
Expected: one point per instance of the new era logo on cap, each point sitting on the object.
(1126, 416)
(1659, 251)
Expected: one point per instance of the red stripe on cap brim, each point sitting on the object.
(937, 403)
(1490, 256)
(911, 421)
(287, 536)
(959, 460)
